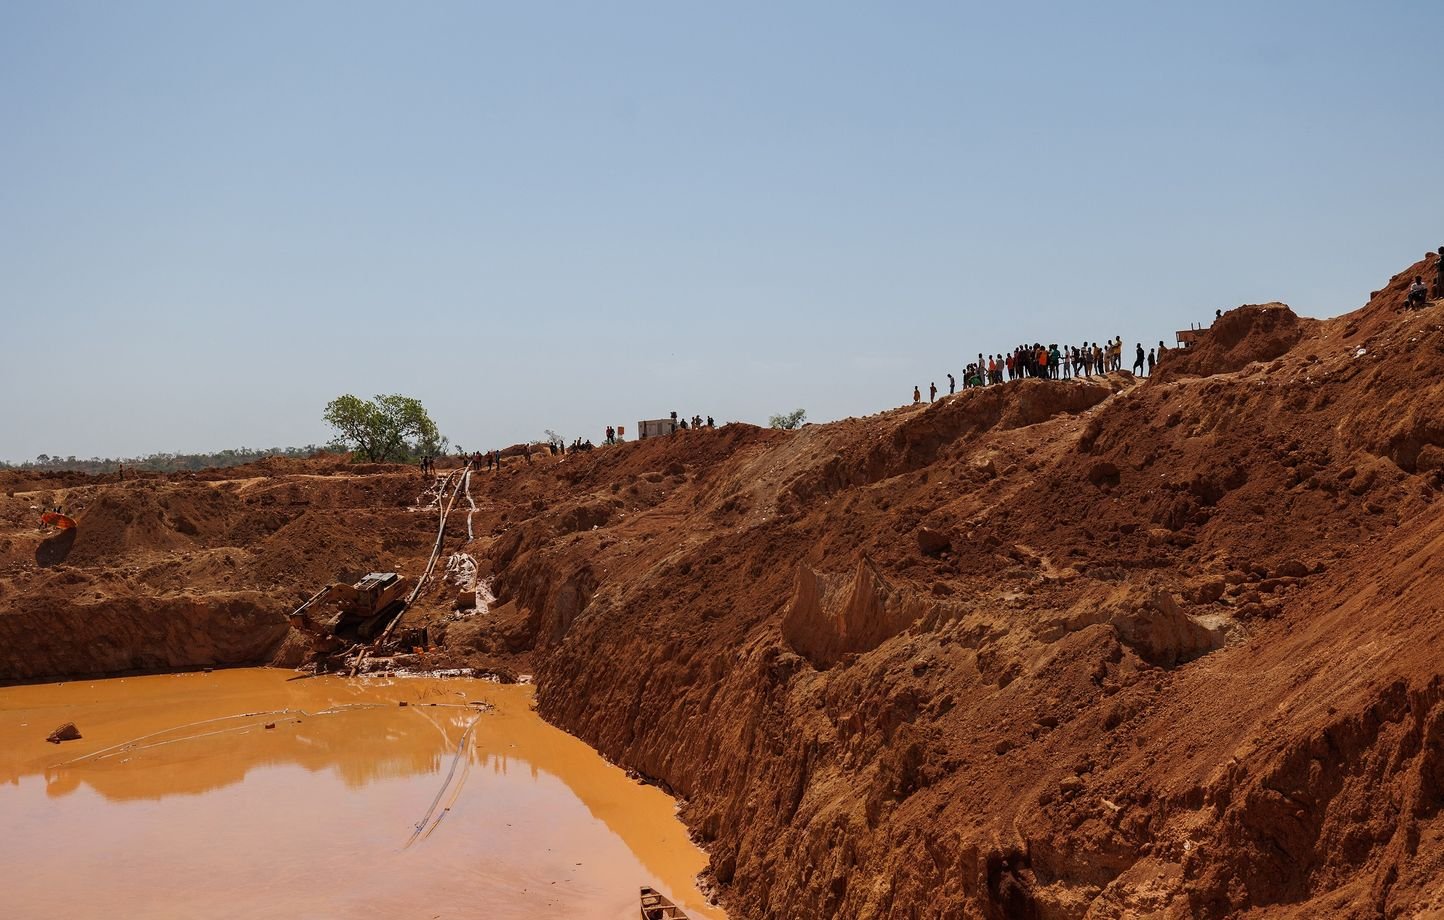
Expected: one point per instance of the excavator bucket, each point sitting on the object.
(58, 520)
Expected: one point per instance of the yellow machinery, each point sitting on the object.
(353, 613)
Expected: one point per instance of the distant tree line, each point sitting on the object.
(162, 462)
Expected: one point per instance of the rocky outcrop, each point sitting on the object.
(1161, 633)
(830, 616)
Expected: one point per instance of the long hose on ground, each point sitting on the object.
(426, 573)
(420, 828)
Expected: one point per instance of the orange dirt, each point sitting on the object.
(1104, 648)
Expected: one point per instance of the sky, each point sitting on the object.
(216, 217)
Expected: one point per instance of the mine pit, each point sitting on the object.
(225, 794)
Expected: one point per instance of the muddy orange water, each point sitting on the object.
(179, 802)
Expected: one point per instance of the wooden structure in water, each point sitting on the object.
(656, 907)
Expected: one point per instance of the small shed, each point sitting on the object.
(656, 428)
(1187, 337)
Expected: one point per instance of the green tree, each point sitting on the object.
(790, 420)
(384, 428)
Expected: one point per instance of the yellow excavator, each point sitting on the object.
(341, 615)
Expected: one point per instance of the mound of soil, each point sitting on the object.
(1250, 333)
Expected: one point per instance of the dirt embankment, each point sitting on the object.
(176, 572)
(1079, 649)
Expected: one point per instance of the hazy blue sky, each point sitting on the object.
(214, 217)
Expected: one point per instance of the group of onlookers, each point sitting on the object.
(1049, 362)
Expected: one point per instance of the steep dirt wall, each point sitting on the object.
(113, 636)
(1164, 652)
(177, 572)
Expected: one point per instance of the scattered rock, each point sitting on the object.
(1431, 457)
(1103, 473)
(932, 542)
(270, 725)
(66, 732)
(1159, 536)
(1210, 591)
(1291, 568)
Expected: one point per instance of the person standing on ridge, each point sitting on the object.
(932, 392)
(1138, 358)
(917, 396)
(1439, 274)
(1151, 361)
(1054, 356)
(1162, 350)
(952, 385)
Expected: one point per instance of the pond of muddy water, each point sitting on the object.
(178, 801)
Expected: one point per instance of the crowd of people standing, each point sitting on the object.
(1050, 362)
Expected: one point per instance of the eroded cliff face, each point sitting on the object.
(1073, 649)
(119, 635)
(1063, 650)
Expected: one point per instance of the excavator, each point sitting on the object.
(341, 615)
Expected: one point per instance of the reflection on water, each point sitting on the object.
(180, 799)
